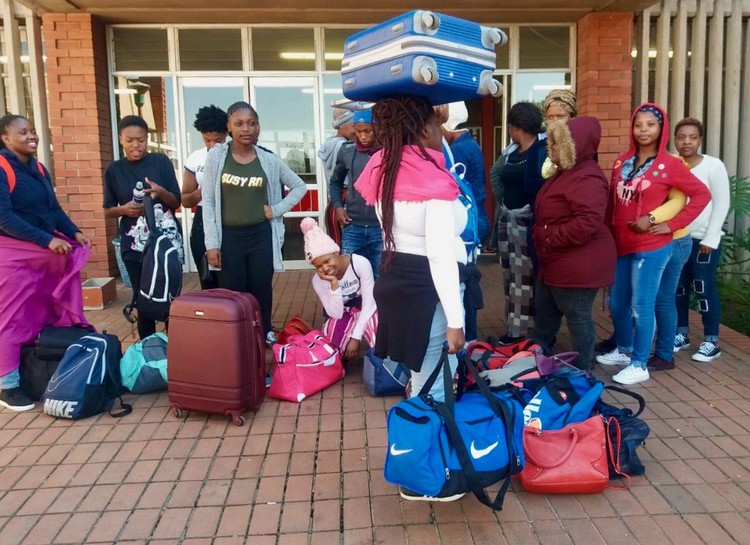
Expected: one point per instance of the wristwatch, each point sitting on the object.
(651, 219)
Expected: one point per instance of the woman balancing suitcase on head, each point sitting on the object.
(414, 194)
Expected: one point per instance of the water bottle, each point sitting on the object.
(138, 193)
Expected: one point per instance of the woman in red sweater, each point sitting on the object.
(641, 181)
(575, 249)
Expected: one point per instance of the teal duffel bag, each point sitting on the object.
(144, 365)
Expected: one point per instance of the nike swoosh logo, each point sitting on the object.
(397, 452)
(482, 452)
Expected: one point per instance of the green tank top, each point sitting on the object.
(243, 193)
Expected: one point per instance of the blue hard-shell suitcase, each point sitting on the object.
(439, 57)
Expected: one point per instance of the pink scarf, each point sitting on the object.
(417, 180)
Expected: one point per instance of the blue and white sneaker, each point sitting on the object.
(707, 352)
(680, 342)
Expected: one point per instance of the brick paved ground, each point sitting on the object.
(312, 473)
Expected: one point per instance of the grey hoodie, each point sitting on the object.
(328, 153)
(278, 173)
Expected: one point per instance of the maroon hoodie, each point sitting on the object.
(631, 200)
(573, 243)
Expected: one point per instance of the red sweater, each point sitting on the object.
(631, 200)
(572, 241)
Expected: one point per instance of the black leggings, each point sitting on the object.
(247, 264)
(198, 249)
(146, 326)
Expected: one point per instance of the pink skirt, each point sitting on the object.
(37, 288)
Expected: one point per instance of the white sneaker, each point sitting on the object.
(680, 342)
(631, 375)
(707, 352)
(613, 358)
(416, 496)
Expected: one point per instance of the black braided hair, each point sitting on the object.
(211, 119)
(242, 105)
(400, 121)
(5, 121)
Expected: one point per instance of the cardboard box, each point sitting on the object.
(98, 293)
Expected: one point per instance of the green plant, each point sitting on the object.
(736, 245)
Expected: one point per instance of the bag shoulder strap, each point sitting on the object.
(638, 397)
(613, 448)
(10, 174)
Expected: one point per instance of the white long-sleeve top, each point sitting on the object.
(358, 280)
(432, 228)
(707, 226)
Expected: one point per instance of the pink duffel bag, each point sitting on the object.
(305, 365)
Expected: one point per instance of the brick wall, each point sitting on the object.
(75, 45)
(604, 84)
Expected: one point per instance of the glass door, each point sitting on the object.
(289, 123)
(194, 93)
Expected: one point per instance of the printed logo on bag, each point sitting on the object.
(478, 453)
(60, 408)
(398, 452)
(531, 409)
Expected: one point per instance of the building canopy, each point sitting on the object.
(328, 11)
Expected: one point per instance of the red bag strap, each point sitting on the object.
(10, 174)
(614, 452)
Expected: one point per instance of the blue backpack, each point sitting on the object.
(87, 381)
(470, 235)
(144, 365)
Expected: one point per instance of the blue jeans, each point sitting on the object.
(666, 309)
(11, 380)
(365, 241)
(432, 357)
(637, 279)
(699, 276)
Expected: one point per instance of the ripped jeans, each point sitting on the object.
(637, 279)
(699, 277)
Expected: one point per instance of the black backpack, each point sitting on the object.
(87, 380)
(161, 273)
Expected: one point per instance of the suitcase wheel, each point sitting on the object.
(177, 411)
(237, 418)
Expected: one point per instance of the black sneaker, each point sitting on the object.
(15, 400)
(416, 496)
(605, 346)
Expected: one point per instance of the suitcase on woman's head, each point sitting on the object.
(216, 353)
(438, 57)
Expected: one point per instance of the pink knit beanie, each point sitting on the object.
(317, 243)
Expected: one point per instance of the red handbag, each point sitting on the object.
(572, 460)
(295, 326)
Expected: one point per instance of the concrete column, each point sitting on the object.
(679, 65)
(731, 124)
(661, 93)
(16, 99)
(39, 89)
(698, 62)
(643, 39)
(713, 119)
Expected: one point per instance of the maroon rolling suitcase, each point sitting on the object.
(216, 353)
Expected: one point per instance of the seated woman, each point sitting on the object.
(40, 282)
(344, 284)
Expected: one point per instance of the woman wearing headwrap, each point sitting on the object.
(641, 180)
(559, 105)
